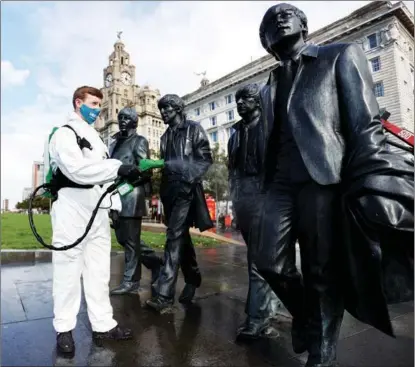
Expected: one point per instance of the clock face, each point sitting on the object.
(126, 78)
(108, 80)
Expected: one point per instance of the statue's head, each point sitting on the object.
(171, 106)
(281, 22)
(127, 119)
(247, 100)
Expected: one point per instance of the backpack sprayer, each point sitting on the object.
(50, 191)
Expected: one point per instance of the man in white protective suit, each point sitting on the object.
(78, 158)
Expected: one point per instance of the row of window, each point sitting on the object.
(230, 116)
(373, 41)
(378, 89)
(214, 135)
(154, 133)
(213, 105)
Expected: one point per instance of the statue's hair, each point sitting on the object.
(131, 112)
(298, 13)
(250, 90)
(172, 100)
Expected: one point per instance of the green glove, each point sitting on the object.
(146, 164)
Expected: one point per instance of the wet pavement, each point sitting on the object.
(202, 335)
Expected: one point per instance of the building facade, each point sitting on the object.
(120, 90)
(384, 31)
(37, 174)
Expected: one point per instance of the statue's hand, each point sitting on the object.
(114, 216)
(146, 164)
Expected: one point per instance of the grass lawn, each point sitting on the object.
(17, 235)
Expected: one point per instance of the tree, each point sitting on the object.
(216, 179)
(24, 205)
(156, 178)
(39, 202)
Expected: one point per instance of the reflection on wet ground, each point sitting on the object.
(202, 335)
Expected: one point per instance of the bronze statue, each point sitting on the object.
(331, 184)
(131, 148)
(246, 168)
(185, 158)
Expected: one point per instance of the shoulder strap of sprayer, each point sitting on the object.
(82, 142)
(58, 179)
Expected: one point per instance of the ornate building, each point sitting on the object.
(385, 31)
(120, 90)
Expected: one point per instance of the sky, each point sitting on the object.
(48, 49)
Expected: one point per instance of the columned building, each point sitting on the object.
(385, 32)
(120, 90)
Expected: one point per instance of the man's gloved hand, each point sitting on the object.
(129, 172)
(146, 164)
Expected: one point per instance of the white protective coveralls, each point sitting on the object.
(70, 215)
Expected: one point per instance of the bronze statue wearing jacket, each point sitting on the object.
(130, 148)
(185, 149)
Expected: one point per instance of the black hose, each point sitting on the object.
(88, 227)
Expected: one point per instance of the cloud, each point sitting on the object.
(22, 142)
(168, 42)
(10, 76)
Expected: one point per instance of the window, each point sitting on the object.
(375, 62)
(229, 98)
(212, 106)
(379, 91)
(213, 121)
(373, 40)
(214, 136)
(230, 115)
(197, 111)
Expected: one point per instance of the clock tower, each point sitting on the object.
(120, 91)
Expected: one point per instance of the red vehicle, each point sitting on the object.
(402, 134)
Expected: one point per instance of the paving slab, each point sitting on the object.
(202, 335)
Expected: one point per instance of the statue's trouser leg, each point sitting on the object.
(307, 212)
(149, 257)
(318, 228)
(177, 247)
(188, 262)
(128, 235)
(261, 302)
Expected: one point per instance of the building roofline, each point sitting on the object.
(399, 10)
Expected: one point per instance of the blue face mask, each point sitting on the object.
(89, 114)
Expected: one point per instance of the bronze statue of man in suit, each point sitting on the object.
(131, 148)
(246, 170)
(332, 185)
